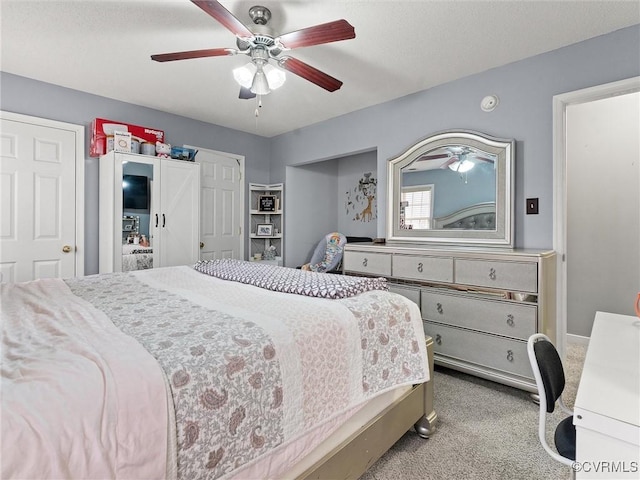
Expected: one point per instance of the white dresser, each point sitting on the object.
(480, 305)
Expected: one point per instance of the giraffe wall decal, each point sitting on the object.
(363, 196)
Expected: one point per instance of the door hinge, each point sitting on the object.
(240, 230)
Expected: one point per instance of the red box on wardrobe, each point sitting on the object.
(101, 128)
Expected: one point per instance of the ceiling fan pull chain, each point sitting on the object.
(258, 105)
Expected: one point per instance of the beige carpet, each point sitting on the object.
(485, 431)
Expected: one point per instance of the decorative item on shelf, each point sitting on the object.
(183, 153)
(121, 141)
(148, 148)
(144, 241)
(264, 229)
(270, 253)
(163, 150)
(267, 203)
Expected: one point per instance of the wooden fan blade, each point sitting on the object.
(225, 17)
(433, 157)
(246, 94)
(325, 33)
(484, 159)
(212, 52)
(449, 162)
(310, 73)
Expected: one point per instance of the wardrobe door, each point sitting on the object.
(179, 220)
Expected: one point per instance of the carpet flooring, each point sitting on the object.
(484, 431)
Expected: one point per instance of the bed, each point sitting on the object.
(179, 373)
(136, 257)
(480, 216)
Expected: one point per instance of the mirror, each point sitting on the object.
(137, 248)
(453, 187)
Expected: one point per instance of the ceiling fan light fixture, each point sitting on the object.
(260, 85)
(275, 76)
(244, 74)
(462, 166)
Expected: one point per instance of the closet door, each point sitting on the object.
(179, 222)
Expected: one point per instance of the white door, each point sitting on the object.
(42, 178)
(221, 205)
(179, 225)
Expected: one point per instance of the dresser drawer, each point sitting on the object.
(502, 318)
(514, 276)
(416, 267)
(369, 263)
(480, 348)
(412, 293)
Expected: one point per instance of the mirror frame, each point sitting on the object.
(503, 148)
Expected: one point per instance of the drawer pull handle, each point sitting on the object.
(438, 339)
(510, 355)
(492, 273)
(510, 321)
(364, 262)
(439, 308)
(420, 266)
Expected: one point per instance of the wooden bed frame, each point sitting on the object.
(363, 448)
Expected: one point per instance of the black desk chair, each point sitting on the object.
(549, 375)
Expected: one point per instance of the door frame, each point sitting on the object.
(79, 250)
(243, 191)
(560, 104)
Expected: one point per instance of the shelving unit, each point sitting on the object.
(266, 222)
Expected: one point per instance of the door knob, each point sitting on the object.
(201, 244)
(66, 249)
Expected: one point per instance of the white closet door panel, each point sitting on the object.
(180, 213)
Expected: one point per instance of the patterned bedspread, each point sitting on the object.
(251, 370)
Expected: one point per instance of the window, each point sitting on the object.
(418, 210)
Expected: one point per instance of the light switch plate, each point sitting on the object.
(532, 206)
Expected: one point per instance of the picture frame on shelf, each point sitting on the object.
(264, 229)
(267, 203)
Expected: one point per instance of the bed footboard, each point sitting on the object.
(426, 426)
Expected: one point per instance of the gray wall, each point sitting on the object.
(310, 206)
(525, 88)
(603, 209)
(30, 97)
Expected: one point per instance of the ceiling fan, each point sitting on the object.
(458, 159)
(259, 76)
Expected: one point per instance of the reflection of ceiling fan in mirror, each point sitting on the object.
(458, 158)
(260, 76)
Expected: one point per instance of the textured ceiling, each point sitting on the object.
(103, 47)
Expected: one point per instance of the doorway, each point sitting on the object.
(596, 204)
(42, 189)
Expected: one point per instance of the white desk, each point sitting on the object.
(607, 406)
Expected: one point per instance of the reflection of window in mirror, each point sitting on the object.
(417, 201)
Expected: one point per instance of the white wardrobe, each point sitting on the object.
(166, 211)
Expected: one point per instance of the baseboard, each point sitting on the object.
(577, 339)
